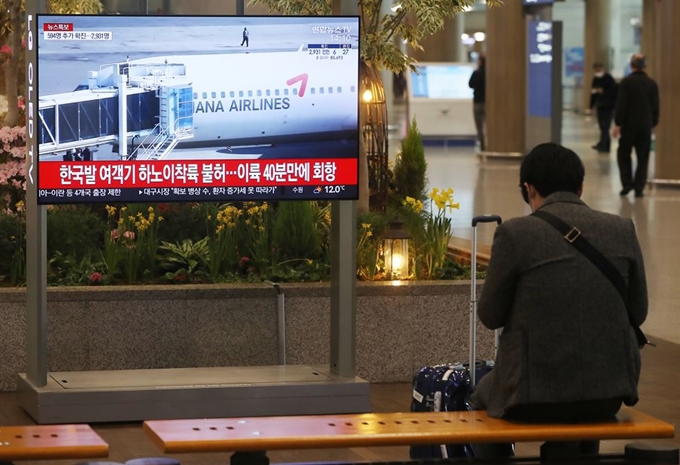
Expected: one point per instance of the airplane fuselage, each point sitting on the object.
(270, 96)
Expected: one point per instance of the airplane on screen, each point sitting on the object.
(254, 98)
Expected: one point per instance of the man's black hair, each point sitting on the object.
(638, 61)
(551, 168)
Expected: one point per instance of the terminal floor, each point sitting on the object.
(658, 397)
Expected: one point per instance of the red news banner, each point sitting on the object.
(203, 173)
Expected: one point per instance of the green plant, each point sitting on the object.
(12, 246)
(132, 241)
(438, 230)
(221, 228)
(300, 270)
(183, 220)
(415, 217)
(410, 167)
(454, 270)
(322, 213)
(295, 234)
(409, 21)
(74, 230)
(256, 222)
(369, 236)
(67, 270)
(186, 258)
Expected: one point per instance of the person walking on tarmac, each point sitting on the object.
(245, 37)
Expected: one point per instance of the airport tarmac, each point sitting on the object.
(63, 65)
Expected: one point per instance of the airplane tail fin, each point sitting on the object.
(302, 48)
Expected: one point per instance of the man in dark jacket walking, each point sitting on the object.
(602, 99)
(478, 84)
(636, 115)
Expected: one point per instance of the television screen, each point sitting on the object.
(171, 108)
(442, 81)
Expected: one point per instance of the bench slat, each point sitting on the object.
(384, 429)
(41, 442)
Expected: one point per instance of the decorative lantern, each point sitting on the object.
(395, 250)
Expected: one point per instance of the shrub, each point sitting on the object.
(74, 231)
(410, 167)
(182, 221)
(295, 233)
(12, 247)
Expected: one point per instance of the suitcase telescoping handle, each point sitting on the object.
(473, 293)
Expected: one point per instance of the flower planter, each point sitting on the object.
(400, 327)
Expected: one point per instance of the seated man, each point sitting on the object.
(568, 352)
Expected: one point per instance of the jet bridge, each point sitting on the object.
(123, 101)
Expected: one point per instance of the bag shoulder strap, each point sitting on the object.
(573, 235)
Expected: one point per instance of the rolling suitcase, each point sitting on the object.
(446, 388)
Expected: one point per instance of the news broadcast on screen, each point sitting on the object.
(159, 108)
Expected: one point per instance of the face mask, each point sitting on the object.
(599, 74)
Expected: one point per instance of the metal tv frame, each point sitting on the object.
(134, 395)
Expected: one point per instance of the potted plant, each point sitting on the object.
(381, 36)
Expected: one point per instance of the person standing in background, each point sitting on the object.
(478, 84)
(635, 116)
(603, 99)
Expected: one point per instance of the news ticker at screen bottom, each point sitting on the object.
(222, 194)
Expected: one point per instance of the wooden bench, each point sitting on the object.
(385, 429)
(46, 442)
